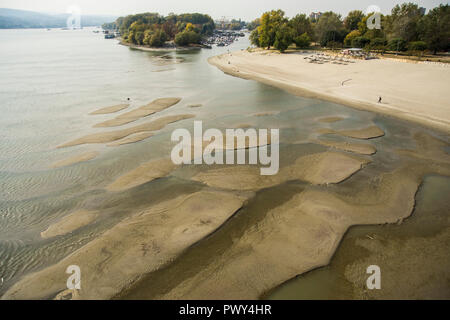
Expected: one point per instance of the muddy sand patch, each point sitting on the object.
(141, 112)
(319, 168)
(138, 245)
(110, 136)
(69, 223)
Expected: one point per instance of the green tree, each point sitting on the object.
(372, 33)
(147, 36)
(378, 44)
(434, 28)
(254, 37)
(302, 41)
(403, 22)
(360, 42)
(397, 44)
(189, 27)
(139, 37)
(352, 19)
(417, 46)
(158, 39)
(253, 24)
(185, 38)
(301, 24)
(350, 36)
(329, 28)
(283, 37)
(140, 28)
(270, 23)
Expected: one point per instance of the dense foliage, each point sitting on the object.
(154, 30)
(406, 28)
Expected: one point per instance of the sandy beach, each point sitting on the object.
(413, 91)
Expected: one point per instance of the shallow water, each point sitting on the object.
(431, 216)
(51, 80)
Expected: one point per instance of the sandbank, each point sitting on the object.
(110, 136)
(144, 111)
(416, 92)
(69, 223)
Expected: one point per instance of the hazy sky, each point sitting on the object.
(245, 9)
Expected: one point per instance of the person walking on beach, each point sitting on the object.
(379, 99)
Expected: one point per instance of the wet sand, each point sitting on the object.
(413, 256)
(282, 229)
(331, 119)
(131, 139)
(319, 168)
(363, 133)
(144, 173)
(69, 223)
(259, 248)
(110, 136)
(137, 245)
(240, 142)
(141, 112)
(290, 229)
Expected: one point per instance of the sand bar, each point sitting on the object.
(417, 92)
(139, 244)
(110, 136)
(370, 132)
(133, 115)
(69, 223)
(131, 139)
(290, 239)
(319, 168)
(144, 173)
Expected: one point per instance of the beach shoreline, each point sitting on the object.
(366, 82)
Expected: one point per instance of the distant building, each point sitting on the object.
(422, 10)
(314, 16)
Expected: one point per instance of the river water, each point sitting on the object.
(51, 80)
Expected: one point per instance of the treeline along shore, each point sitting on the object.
(408, 28)
(155, 30)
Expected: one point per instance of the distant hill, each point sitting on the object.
(15, 19)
